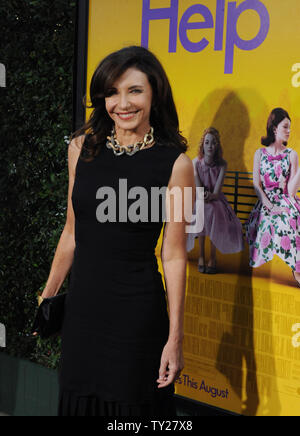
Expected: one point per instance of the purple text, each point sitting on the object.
(181, 26)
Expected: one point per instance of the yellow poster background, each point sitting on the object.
(240, 346)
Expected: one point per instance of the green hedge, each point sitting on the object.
(37, 49)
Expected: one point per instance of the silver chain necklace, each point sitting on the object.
(118, 149)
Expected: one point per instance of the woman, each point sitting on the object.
(121, 353)
(221, 224)
(274, 223)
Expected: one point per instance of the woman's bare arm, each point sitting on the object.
(257, 182)
(64, 253)
(196, 175)
(219, 184)
(174, 261)
(294, 181)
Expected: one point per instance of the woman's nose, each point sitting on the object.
(124, 102)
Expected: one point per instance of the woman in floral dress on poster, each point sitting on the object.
(274, 223)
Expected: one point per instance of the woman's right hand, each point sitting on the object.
(268, 205)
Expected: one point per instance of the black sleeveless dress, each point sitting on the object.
(116, 322)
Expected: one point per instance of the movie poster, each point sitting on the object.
(229, 63)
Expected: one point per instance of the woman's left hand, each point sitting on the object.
(171, 365)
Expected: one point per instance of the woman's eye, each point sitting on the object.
(136, 91)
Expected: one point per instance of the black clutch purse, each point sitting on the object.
(50, 315)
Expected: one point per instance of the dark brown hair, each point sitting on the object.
(218, 157)
(163, 117)
(277, 115)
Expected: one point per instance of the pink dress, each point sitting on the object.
(269, 234)
(221, 224)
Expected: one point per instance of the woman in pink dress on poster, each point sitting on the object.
(274, 223)
(221, 224)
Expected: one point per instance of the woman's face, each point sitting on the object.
(283, 131)
(210, 145)
(129, 101)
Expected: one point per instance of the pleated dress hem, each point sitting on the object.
(75, 404)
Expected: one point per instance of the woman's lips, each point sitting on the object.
(126, 115)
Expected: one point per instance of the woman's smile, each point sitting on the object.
(126, 115)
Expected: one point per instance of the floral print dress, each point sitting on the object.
(268, 233)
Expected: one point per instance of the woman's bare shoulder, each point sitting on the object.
(183, 163)
(74, 150)
(258, 153)
(77, 143)
(183, 171)
(224, 164)
(294, 154)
